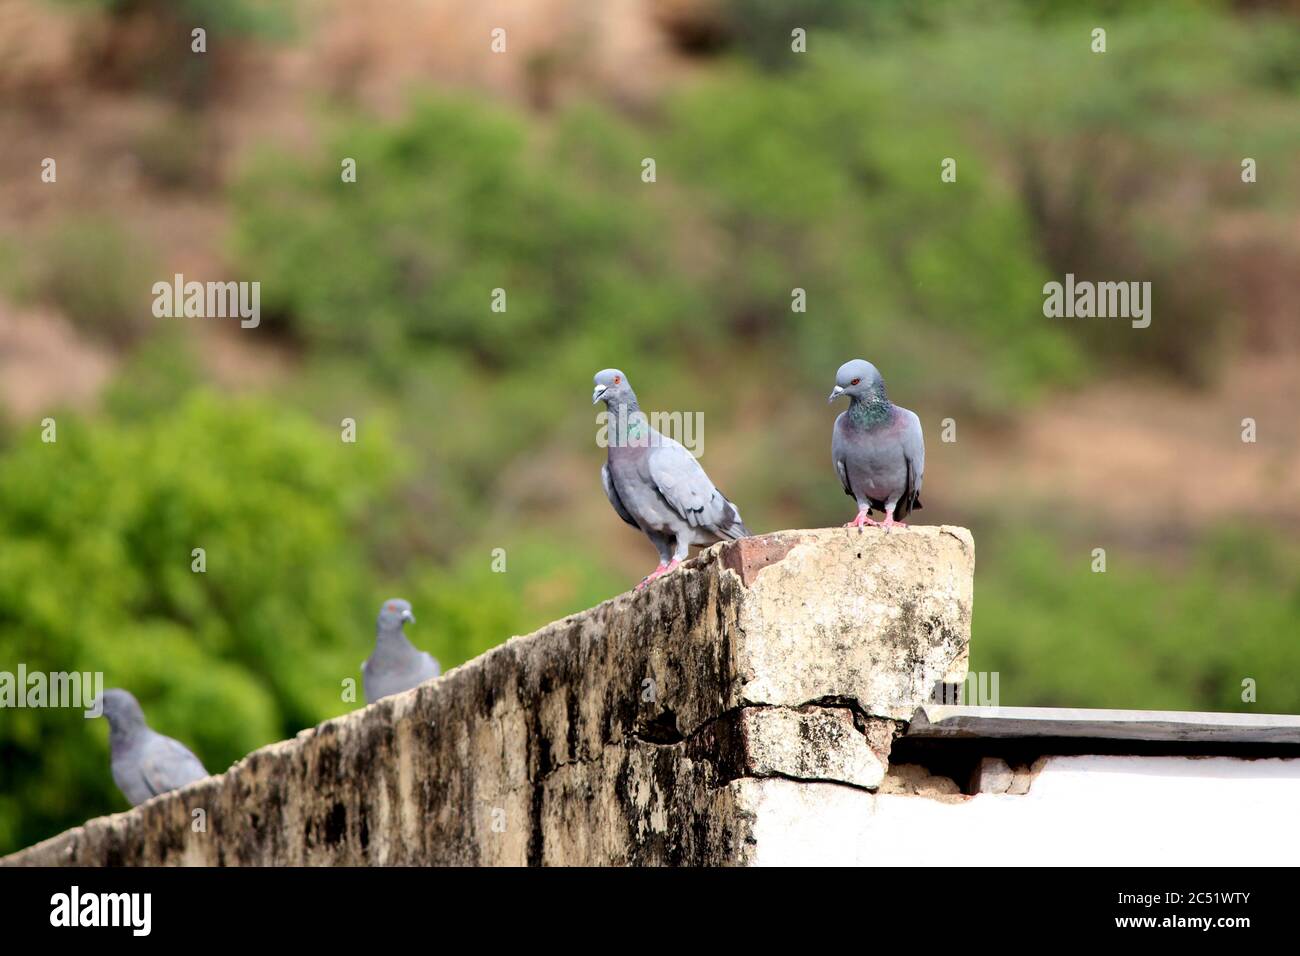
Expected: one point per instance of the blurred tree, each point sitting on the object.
(95, 575)
(150, 43)
(1138, 635)
(97, 273)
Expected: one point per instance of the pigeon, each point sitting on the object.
(877, 447)
(656, 485)
(145, 763)
(396, 664)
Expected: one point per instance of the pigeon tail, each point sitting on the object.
(735, 528)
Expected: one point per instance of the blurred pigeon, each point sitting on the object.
(396, 665)
(877, 447)
(657, 485)
(145, 763)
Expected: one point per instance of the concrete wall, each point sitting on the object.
(670, 726)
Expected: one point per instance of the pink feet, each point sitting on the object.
(658, 572)
(888, 523)
(652, 575)
(862, 519)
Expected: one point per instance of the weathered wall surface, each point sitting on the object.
(649, 730)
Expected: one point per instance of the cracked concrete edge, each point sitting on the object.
(617, 735)
(813, 743)
(863, 614)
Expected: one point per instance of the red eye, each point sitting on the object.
(392, 607)
(855, 381)
(617, 379)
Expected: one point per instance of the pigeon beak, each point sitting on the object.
(600, 391)
(836, 392)
(408, 616)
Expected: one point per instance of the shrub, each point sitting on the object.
(99, 274)
(1139, 636)
(450, 204)
(96, 575)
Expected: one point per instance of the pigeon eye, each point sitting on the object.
(617, 379)
(855, 381)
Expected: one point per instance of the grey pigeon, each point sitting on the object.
(877, 447)
(396, 664)
(656, 485)
(145, 763)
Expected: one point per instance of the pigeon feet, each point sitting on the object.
(891, 523)
(652, 575)
(658, 572)
(862, 519)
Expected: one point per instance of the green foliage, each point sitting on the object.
(1100, 152)
(1111, 153)
(98, 274)
(14, 281)
(400, 267)
(460, 199)
(824, 178)
(96, 575)
(803, 191)
(471, 607)
(177, 151)
(300, 549)
(257, 18)
(147, 45)
(454, 202)
(761, 29)
(1139, 636)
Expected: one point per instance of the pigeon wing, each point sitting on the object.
(914, 456)
(612, 494)
(169, 764)
(689, 492)
(839, 455)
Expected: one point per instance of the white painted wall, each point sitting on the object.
(1080, 811)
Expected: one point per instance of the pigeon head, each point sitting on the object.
(857, 379)
(613, 389)
(394, 614)
(123, 711)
